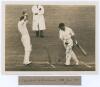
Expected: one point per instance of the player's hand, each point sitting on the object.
(75, 42)
(66, 43)
(40, 9)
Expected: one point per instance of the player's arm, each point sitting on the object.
(73, 37)
(34, 11)
(26, 16)
(41, 10)
(60, 35)
(25, 20)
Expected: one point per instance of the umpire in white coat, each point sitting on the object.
(38, 24)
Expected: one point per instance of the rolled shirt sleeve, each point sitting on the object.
(41, 10)
(34, 10)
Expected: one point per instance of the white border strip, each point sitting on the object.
(51, 2)
(45, 73)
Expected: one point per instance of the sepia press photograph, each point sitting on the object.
(50, 37)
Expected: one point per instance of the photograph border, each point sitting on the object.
(50, 73)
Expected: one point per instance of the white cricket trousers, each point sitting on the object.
(27, 47)
(69, 52)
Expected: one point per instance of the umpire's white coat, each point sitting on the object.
(38, 18)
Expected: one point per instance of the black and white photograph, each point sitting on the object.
(40, 37)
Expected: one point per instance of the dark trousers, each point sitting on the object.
(39, 33)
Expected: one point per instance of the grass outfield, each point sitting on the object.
(50, 48)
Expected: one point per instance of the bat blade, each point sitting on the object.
(82, 50)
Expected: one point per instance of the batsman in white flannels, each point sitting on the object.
(66, 34)
(25, 38)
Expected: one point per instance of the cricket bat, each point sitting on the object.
(82, 50)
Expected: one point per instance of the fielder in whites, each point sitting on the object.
(66, 34)
(25, 38)
(38, 20)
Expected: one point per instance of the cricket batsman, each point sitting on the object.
(67, 36)
(25, 38)
(38, 20)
